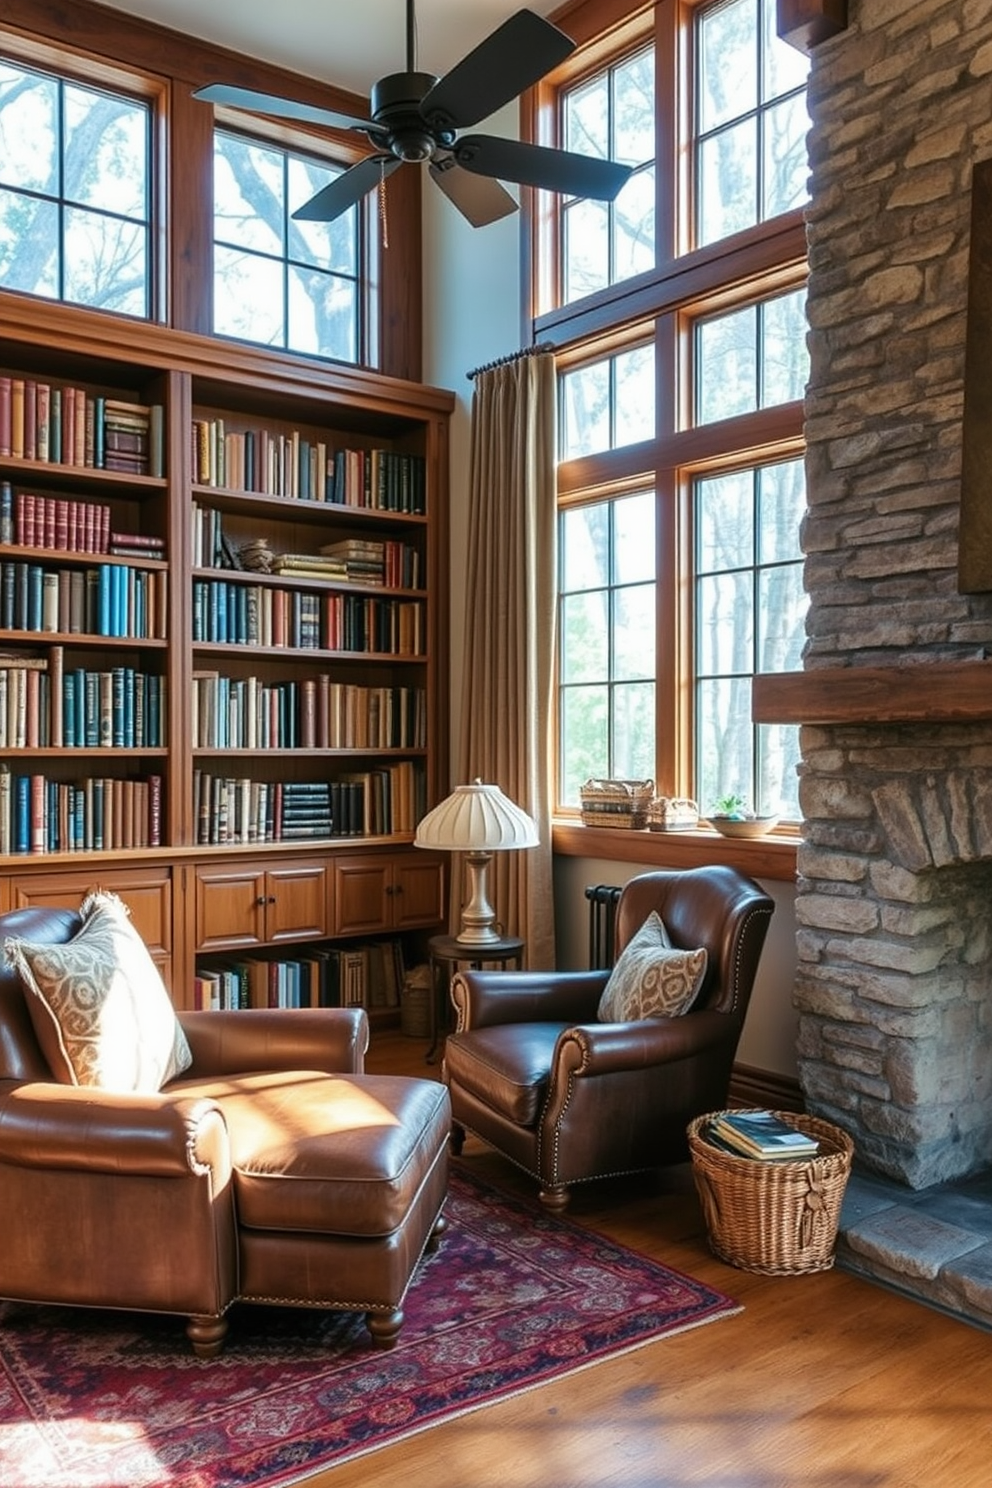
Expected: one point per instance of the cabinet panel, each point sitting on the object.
(147, 894)
(419, 891)
(296, 905)
(230, 907)
(401, 891)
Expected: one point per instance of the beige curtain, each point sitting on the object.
(510, 625)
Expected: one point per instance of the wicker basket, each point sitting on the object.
(672, 814)
(779, 1218)
(616, 803)
(415, 1003)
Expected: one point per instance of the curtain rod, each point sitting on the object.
(513, 356)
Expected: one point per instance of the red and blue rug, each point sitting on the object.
(514, 1297)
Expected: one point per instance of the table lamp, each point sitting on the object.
(477, 820)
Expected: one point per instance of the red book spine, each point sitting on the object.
(42, 427)
(74, 541)
(50, 521)
(84, 420)
(62, 524)
(28, 506)
(69, 426)
(89, 531)
(104, 529)
(30, 417)
(31, 718)
(38, 833)
(5, 415)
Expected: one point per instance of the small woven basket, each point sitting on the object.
(672, 814)
(616, 803)
(779, 1218)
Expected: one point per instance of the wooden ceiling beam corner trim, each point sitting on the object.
(805, 23)
(920, 692)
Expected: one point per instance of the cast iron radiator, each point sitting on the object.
(602, 915)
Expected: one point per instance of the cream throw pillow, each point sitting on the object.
(99, 1007)
(652, 979)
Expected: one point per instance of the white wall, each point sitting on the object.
(472, 316)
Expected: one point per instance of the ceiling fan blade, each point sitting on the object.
(514, 57)
(345, 190)
(229, 96)
(479, 198)
(537, 165)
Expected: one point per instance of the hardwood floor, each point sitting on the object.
(823, 1381)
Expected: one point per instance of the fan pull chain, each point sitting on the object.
(382, 204)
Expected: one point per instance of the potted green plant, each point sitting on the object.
(732, 817)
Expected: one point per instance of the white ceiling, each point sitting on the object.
(348, 42)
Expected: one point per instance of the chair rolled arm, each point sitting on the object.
(485, 998)
(606, 1048)
(81, 1129)
(334, 1040)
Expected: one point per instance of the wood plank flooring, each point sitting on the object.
(823, 1381)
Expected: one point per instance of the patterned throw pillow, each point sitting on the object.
(99, 1007)
(652, 979)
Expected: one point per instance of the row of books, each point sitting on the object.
(232, 613)
(760, 1135)
(389, 562)
(51, 706)
(71, 426)
(230, 809)
(275, 463)
(113, 599)
(63, 524)
(367, 975)
(316, 713)
(99, 813)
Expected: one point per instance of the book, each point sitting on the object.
(761, 1135)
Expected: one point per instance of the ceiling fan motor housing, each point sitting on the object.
(395, 104)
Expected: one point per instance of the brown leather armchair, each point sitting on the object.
(532, 1072)
(273, 1170)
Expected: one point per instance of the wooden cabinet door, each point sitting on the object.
(418, 891)
(361, 898)
(147, 892)
(297, 902)
(230, 907)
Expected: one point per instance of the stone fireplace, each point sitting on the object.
(894, 894)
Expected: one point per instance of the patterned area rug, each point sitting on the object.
(513, 1298)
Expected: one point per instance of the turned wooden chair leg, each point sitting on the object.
(554, 1199)
(434, 1238)
(456, 1139)
(206, 1334)
(384, 1327)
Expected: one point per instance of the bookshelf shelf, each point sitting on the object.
(340, 425)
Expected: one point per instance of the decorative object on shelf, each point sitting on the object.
(672, 814)
(616, 803)
(732, 817)
(477, 820)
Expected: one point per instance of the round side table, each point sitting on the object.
(447, 954)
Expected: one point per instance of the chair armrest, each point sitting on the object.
(228, 1043)
(77, 1128)
(606, 1048)
(483, 998)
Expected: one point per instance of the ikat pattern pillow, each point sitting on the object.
(99, 1007)
(652, 978)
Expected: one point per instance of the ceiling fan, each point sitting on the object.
(416, 117)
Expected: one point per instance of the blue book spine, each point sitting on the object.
(91, 683)
(98, 793)
(52, 789)
(22, 813)
(103, 616)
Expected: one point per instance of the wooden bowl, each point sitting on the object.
(746, 826)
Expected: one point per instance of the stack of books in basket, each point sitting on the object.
(760, 1135)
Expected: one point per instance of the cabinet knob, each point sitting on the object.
(271, 899)
(260, 900)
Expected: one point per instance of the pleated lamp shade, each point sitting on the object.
(477, 820)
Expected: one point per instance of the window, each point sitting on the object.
(75, 193)
(277, 281)
(681, 481)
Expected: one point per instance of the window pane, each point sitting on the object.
(633, 732)
(634, 631)
(248, 195)
(584, 547)
(322, 314)
(782, 506)
(105, 262)
(634, 396)
(728, 76)
(585, 634)
(327, 245)
(248, 297)
(727, 182)
(723, 740)
(28, 130)
(29, 244)
(781, 619)
(784, 67)
(585, 739)
(726, 362)
(585, 407)
(786, 170)
(587, 119)
(784, 358)
(634, 538)
(586, 257)
(724, 623)
(725, 521)
(777, 771)
(633, 226)
(634, 122)
(106, 164)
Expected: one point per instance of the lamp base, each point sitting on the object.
(478, 927)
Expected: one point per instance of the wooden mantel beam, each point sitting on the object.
(805, 23)
(924, 692)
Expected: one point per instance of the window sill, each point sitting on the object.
(771, 857)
